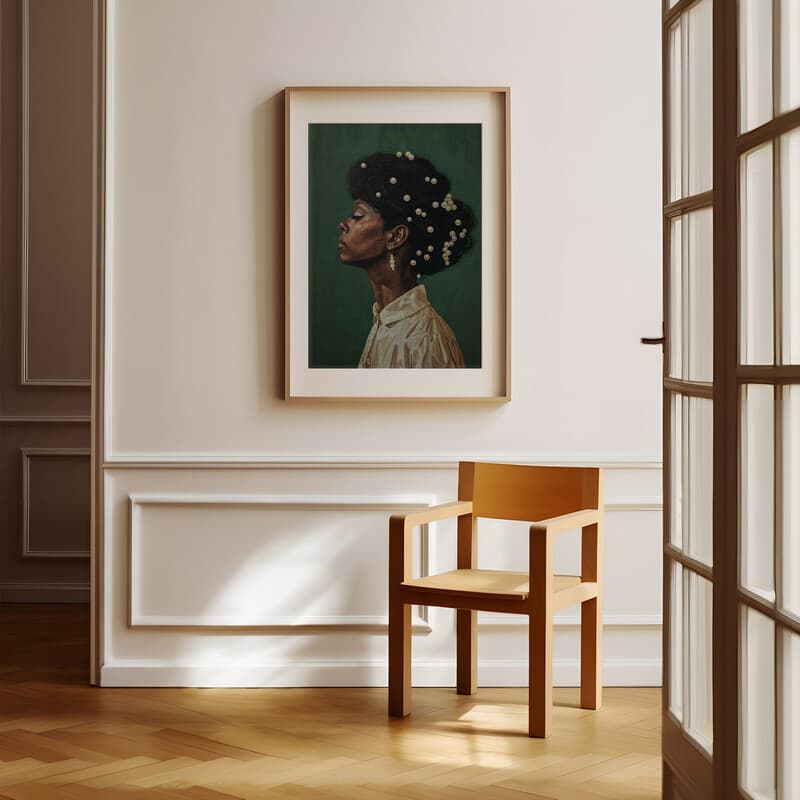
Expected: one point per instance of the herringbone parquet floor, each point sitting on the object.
(63, 740)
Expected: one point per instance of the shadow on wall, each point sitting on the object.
(269, 244)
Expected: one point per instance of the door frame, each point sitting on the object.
(97, 572)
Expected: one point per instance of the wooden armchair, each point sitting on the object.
(554, 500)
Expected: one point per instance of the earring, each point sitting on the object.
(391, 261)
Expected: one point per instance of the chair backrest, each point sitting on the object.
(528, 493)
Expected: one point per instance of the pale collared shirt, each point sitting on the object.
(408, 333)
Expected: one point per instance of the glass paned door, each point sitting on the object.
(768, 384)
(731, 196)
(689, 223)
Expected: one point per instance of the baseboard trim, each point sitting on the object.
(616, 672)
(566, 672)
(44, 592)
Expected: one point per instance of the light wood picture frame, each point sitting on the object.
(457, 346)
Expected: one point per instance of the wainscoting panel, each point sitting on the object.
(45, 299)
(275, 575)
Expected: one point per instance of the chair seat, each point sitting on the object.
(500, 585)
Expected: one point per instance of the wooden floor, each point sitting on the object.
(61, 739)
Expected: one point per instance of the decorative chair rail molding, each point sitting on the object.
(17, 419)
(44, 592)
(27, 454)
(644, 503)
(274, 503)
(25, 379)
(210, 461)
(367, 672)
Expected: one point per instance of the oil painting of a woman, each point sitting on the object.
(404, 224)
(394, 262)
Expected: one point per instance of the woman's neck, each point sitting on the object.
(389, 284)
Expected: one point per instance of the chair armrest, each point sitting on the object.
(445, 511)
(540, 551)
(401, 527)
(567, 522)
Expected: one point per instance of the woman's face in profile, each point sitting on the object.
(361, 235)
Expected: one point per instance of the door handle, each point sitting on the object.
(654, 339)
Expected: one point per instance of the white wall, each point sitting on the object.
(195, 330)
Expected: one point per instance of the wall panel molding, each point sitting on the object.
(26, 380)
(634, 504)
(275, 503)
(29, 453)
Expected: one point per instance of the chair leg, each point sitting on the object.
(540, 673)
(466, 652)
(591, 654)
(399, 659)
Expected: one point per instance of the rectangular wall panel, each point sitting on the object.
(56, 191)
(56, 503)
(44, 470)
(272, 562)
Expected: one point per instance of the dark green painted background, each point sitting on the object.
(340, 296)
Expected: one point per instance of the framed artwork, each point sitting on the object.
(397, 243)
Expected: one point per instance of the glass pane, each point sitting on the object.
(757, 765)
(789, 719)
(789, 57)
(690, 102)
(790, 240)
(700, 719)
(691, 296)
(755, 190)
(790, 563)
(700, 304)
(676, 112)
(676, 261)
(676, 641)
(699, 87)
(758, 496)
(699, 489)
(677, 432)
(755, 63)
